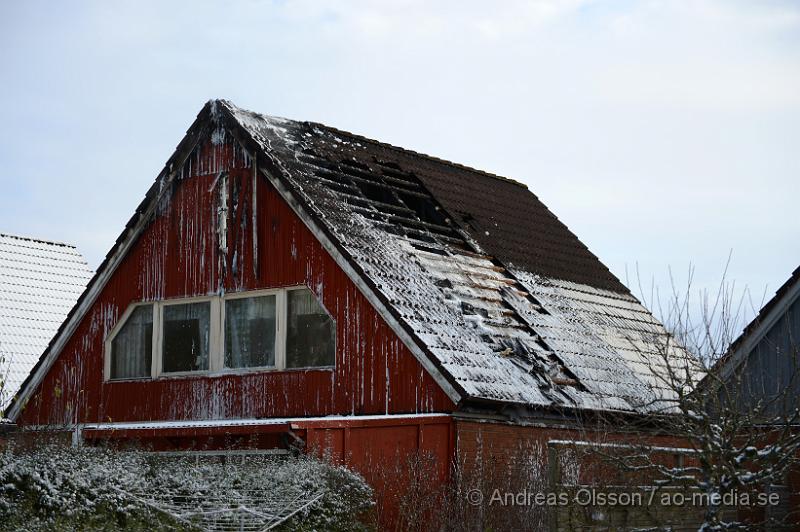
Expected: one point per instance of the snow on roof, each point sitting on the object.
(507, 302)
(498, 299)
(40, 281)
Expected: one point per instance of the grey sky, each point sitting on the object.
(663, 133)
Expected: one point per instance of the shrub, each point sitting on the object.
(65, 488)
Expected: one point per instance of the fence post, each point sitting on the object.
(553, 476)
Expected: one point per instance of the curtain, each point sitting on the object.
(311, 333)
(132, 347)
(250, 332)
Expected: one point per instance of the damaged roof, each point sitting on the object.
(507, 302)
(498, 299)
(39, 284)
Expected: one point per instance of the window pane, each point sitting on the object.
(132, 347)
(186, 332)
(250, 332)
(310, 334)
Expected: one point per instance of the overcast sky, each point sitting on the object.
(663, 133)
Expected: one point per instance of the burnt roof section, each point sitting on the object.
(501, 215)
(497, 330)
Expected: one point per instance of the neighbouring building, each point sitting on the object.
(285, 283)
(759, 377)
(762, 365)
(40, 281)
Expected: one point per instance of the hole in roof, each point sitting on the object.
(443, 283)
(423, 237)
(376, 192)
(355, 164)
(393, 229)
(429, 249)
(372, 215)
(424, 208)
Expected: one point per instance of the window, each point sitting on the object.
(250, 326)
(310, 333)
(132, 346)
(187, 330)
(265, 329)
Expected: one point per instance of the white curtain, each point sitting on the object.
(250, 332)
(311, 333)
(132, 347)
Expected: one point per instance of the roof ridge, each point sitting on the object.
(417, 153)
(362, 138)
(40, 240)
(762, 313)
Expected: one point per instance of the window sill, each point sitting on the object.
(127, 379)
(217, 374)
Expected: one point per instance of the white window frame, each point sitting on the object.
(213, 335)
(286, 331)
(216, 348)
(280, 336)
(116, 330)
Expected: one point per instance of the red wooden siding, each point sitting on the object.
(178, 255)
(388, 453)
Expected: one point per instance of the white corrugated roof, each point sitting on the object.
(40, 281)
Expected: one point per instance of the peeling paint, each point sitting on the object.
(178, 255)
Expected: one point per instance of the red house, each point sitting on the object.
(287, 282)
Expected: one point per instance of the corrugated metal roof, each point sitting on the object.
(39, 284)
(505, 299)
(766, 309)
(735, 354)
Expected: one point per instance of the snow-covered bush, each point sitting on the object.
(64, 488)
(58, 488)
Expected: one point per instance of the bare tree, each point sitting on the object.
(713, 438)
(735, 427)
(4, 369)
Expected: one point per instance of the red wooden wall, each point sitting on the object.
(178, 255)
